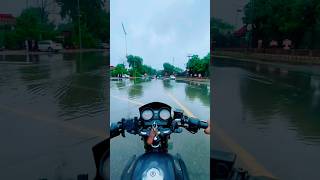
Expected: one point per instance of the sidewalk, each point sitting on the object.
(194, 80)
(276, 58)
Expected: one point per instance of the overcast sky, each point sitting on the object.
(160, 31)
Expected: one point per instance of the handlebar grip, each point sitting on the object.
(203, 124)
(194, 122)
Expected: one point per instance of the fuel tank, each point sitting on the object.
(155, 166)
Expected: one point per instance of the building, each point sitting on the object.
(7, 23)
(7, 20)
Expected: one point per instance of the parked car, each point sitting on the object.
(49, 45)
(172, 77)
(103, 46)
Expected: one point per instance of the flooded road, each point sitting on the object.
(53, 110)
(125, 98)
(273, 112)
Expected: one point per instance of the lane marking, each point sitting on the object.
(128, 100)
(249, 160)
(185, 109)
(254, 167)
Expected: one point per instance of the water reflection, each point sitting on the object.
(84, 93)
(135, 89)
(42, 93)
(274, 114)
(200, 92)
(269, 95)
(120, 83)
(167, 84)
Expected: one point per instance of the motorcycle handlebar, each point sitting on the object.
(114, 130)
(131, 126)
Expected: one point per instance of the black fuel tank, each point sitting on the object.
(155, 166)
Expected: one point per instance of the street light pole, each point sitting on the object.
(80, 40)
(125, 37)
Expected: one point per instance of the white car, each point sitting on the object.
(172, 77)
(49, 45)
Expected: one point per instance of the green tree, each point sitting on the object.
(221, 32)
(148, 70)
(120, 69)
(32, 24)
(197, 65)
(135, 63)
(94, 20)
(170, 69)
(298, 20)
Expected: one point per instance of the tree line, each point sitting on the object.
(195, 65)
(298, 20)
(33, 24)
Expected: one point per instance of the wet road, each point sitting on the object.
(271, 111)
(125, 98)
(53, 110)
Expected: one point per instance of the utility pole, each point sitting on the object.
(80, 40)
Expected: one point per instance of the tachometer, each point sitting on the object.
(147, 114)
(164, 114)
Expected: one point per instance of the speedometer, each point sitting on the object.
(164, 114)
(147, 114)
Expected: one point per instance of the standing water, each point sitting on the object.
(273, 112)
(53, 111)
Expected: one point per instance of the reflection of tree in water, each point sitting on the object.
(136, 89)
(200, 92)
(290, 95)
(84, 92)
(87, 61)
(120, 83)
(167, 84)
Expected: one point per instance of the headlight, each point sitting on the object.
(147, 114)
(164, 114)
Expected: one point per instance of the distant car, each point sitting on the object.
(172, 77)
(49, 45)
(103, 46)
(125, 76)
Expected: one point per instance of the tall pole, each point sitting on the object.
(125, 37)
(80, 40)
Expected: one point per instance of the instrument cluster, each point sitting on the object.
(159, 114)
